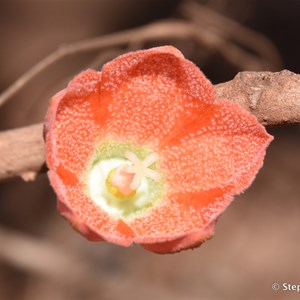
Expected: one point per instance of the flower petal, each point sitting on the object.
(224, 147)
(180, 215)
(72, 124)
(73, 127)
(189, 241)
(87, 218)
(148, 94)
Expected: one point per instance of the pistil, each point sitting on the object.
(125, 180)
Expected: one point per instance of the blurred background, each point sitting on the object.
(257, 241)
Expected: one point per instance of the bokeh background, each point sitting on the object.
(257, 241)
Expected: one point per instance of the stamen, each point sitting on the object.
(132, 157)
(150, 159)
(140, 168)
(152, 174)
(128, 178)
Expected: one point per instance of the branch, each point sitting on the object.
(202, 35)
(22, 152)
(156, 31)
(274, 98)
(240, 45)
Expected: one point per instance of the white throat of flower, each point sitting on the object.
(124, 186)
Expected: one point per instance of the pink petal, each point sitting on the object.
(224, 148)
(148, 94)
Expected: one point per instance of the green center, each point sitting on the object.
(109, 155)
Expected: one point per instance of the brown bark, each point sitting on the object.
(22, 152)
(274, 98)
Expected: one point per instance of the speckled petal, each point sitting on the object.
(224, 148)
(86, 217)
(73, 124)
(189, 241)
(72, 129)
(180, 215)
(148, 94)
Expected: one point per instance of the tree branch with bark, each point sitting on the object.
(274, 98)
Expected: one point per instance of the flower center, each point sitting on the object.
(124, 180)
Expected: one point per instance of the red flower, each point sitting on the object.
(141, 152)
